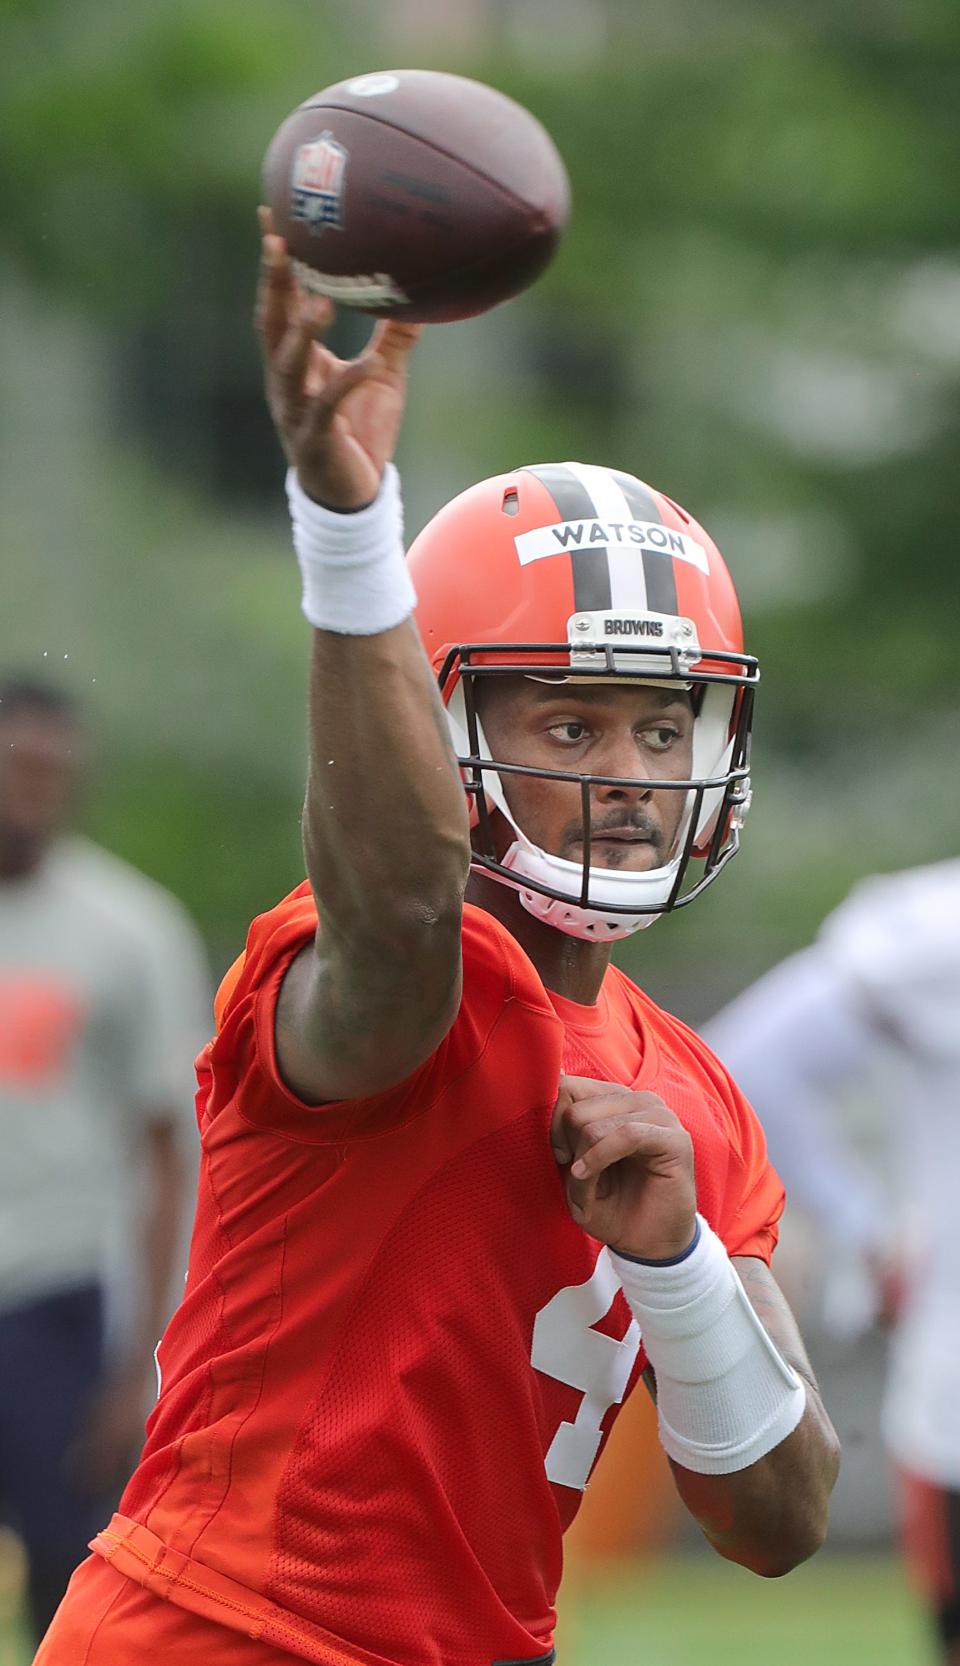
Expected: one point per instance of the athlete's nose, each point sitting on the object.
(619, 756)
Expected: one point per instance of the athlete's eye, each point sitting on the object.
(570, 732)
(660, 738)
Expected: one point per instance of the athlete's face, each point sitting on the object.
(635, 732)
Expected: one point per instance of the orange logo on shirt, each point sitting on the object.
(39, 1023)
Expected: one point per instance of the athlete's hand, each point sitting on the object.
(337, 419)
(629, 1163)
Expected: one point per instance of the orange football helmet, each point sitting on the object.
(576, 571)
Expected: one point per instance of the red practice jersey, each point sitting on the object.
(397, 1357)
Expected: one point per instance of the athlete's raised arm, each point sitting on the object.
(385, 826)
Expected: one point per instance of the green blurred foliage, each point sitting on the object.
(757, 307)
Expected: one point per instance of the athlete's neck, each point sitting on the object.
(567, 965)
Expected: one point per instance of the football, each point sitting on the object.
(416, 194)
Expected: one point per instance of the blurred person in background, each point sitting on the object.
(441, 1195)
(103, 1007)
(876, 999)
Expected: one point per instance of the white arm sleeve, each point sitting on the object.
(787, 1040)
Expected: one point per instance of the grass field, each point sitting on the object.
(697, 1611)
(838, 1610)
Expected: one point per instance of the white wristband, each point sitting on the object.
(725, 1395)
(355, 578)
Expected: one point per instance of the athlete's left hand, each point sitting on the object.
(629, 1163)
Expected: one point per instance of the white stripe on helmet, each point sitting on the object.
(628, 585)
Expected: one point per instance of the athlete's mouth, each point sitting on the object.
(616, 841)
(621, 836)
(615, 846)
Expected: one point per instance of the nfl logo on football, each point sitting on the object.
(317, 183)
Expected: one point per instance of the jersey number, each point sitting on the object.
(567, 1348)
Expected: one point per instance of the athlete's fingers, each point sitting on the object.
(322, 365)
(393, 342)
(285, 372)
(276, 293)
(324, 406)
(572, 1115)
(581, 1196)
(590, 1098)
(317, 313)
(561, 1136)
(287, 367)
(600, 1148)
(581, 1100)
(602, 1144)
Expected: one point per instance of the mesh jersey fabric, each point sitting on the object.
(347, 1457)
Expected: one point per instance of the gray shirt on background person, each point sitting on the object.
(104, 1004)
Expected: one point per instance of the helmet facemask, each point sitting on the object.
(604, 904)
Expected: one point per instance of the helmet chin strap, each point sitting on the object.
(593, 922)
(590, 925)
